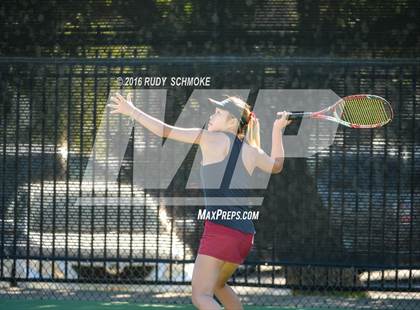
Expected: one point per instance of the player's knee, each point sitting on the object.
(198, 297)
(199, 300)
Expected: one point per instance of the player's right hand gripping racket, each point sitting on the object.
(355, 111)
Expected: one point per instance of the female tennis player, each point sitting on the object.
(225, 243)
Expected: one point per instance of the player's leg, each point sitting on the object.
(223, 291)
(205, 275)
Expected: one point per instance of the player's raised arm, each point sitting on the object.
(274, 162)
(188, 135)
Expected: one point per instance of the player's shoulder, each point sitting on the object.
(213, 138)
(252, 150)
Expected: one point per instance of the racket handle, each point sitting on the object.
(296, 115)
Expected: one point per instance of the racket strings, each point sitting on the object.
(364, 111)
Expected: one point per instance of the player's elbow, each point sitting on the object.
(277, 167)
(165, 132)
(276, 170)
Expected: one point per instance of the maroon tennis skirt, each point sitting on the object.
(225, 243)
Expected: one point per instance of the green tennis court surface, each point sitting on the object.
(93, 305)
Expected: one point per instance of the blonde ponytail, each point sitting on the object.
(252, 135)
(249, 127)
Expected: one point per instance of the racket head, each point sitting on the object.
(363, 111)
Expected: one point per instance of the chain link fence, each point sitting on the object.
(338, 229)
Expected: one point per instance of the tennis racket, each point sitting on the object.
(355, 111)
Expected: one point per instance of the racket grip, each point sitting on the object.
(296, 115)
